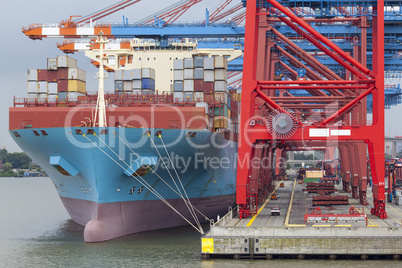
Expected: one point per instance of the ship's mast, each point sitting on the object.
(100, 104)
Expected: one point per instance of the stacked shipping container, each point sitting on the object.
(61, 79)
(136, 81)
(193, 78)
(222, 114)
(203, 79)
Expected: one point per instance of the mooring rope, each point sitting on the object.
(167, 169)
(156, 174)
(181, 184)
(149, 187)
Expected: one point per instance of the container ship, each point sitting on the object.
(158, 151)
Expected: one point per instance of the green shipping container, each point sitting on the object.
(306, 180)
(221, 111)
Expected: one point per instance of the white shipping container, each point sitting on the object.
(399, 200)
(32, 74)
(178, 75)
(221, 97)
(137, 92)
(178, 64)
(201, 104)
(137, 84)
(221, 86)
(178, 96)
(209, 63)
(148, 92)
(52, 64)
(136, 74)
(221, 75)
(127, 86)
(42, 95)
(118, 75)
(199, 97)
(188, 63)
(148, 73)
(51, 98)
(74, 95)
(199, 73)
(127, 75)
(42, 87)
(42, 98)
(33, 87)
(66, 62)
(221, 62)
(209, 76)
(188, 85)
(188, 74)
(77, 74)
(32, 95)
(52, 88)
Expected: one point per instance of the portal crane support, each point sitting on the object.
(282, 124)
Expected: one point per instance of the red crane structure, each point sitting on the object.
(274, 122)
(218, 14)
(169, 14)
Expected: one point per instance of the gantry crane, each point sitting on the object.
(335, 115)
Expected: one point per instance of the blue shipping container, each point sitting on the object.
(118, 85)
(148, 83)
(62, 96)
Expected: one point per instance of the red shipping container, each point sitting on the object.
(198, 85)
(42, 75)
(62, 73)
(62, 86)
(209, 88)
(209, 97)
(52, 76)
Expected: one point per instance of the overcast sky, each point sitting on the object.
(19, 53)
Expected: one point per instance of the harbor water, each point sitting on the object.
(36, 231)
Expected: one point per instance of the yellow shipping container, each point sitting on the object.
(76, 86)
(229, 114)
(237, 96)
(221, 122)
(314, 173)
(207, 120)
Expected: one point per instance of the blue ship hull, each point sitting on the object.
(106, 183)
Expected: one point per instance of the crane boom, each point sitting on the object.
(149, 19)
(78, 27)
(105, 11)
(219, 9)
(226, 13)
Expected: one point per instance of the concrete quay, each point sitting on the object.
(290, 236)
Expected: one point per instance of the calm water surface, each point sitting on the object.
(36, 231)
